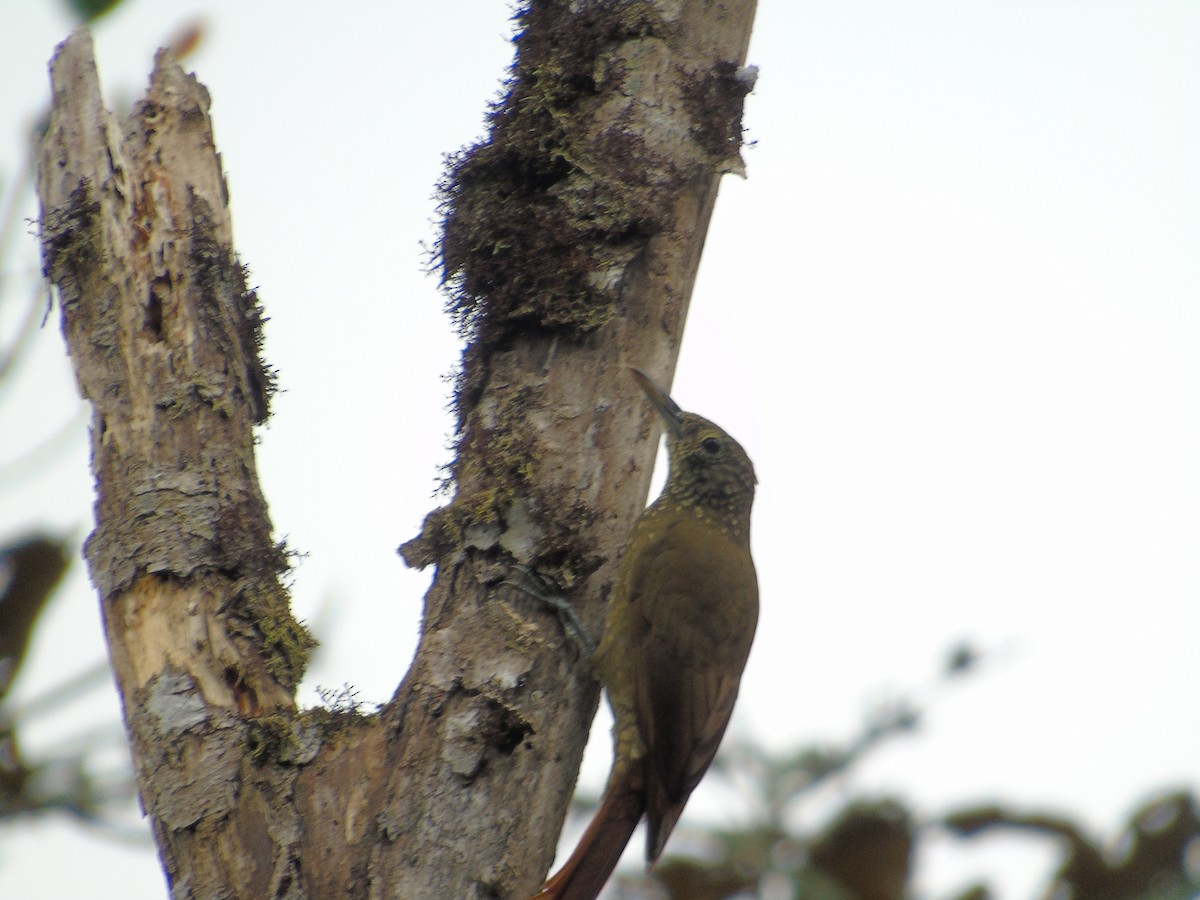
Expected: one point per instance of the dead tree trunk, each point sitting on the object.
(571, 243)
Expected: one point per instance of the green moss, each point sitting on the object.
(543, 222)
(293, 739)
(266, 737)
(716, 102)
(73, 251)
(502, 459)
(286, 642)
(71, 239)
(532, 213)
(498, 470)
(230, 310)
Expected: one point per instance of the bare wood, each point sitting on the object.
(458, 788)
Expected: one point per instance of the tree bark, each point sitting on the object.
(571, 243)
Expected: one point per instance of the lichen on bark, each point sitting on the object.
(545, 222)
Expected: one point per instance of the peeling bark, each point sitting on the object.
(459, 786)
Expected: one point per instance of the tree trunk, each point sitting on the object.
(571, 243)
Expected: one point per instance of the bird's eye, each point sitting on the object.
(711, 445)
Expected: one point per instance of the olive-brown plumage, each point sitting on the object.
(676, 638)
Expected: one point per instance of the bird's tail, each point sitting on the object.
(584, 875)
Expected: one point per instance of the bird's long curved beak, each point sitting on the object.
(667, 408)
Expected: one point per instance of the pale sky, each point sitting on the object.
(951, 314)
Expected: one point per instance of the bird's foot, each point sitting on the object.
(544, 588)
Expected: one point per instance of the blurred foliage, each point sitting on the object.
(88, 11)
(866, 849)
(29, 572)
(866, 853)
(1156, 855)
(69, 778)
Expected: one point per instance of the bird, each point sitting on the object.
(676, 638)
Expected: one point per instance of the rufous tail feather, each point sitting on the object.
(584, 875)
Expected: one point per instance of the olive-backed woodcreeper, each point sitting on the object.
(676, 638)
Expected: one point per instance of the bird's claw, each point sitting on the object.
(545, 589)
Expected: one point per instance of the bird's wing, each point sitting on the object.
(694, 611)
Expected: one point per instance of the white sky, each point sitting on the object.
(952, 315)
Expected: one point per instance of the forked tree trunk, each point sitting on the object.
(571, 244)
